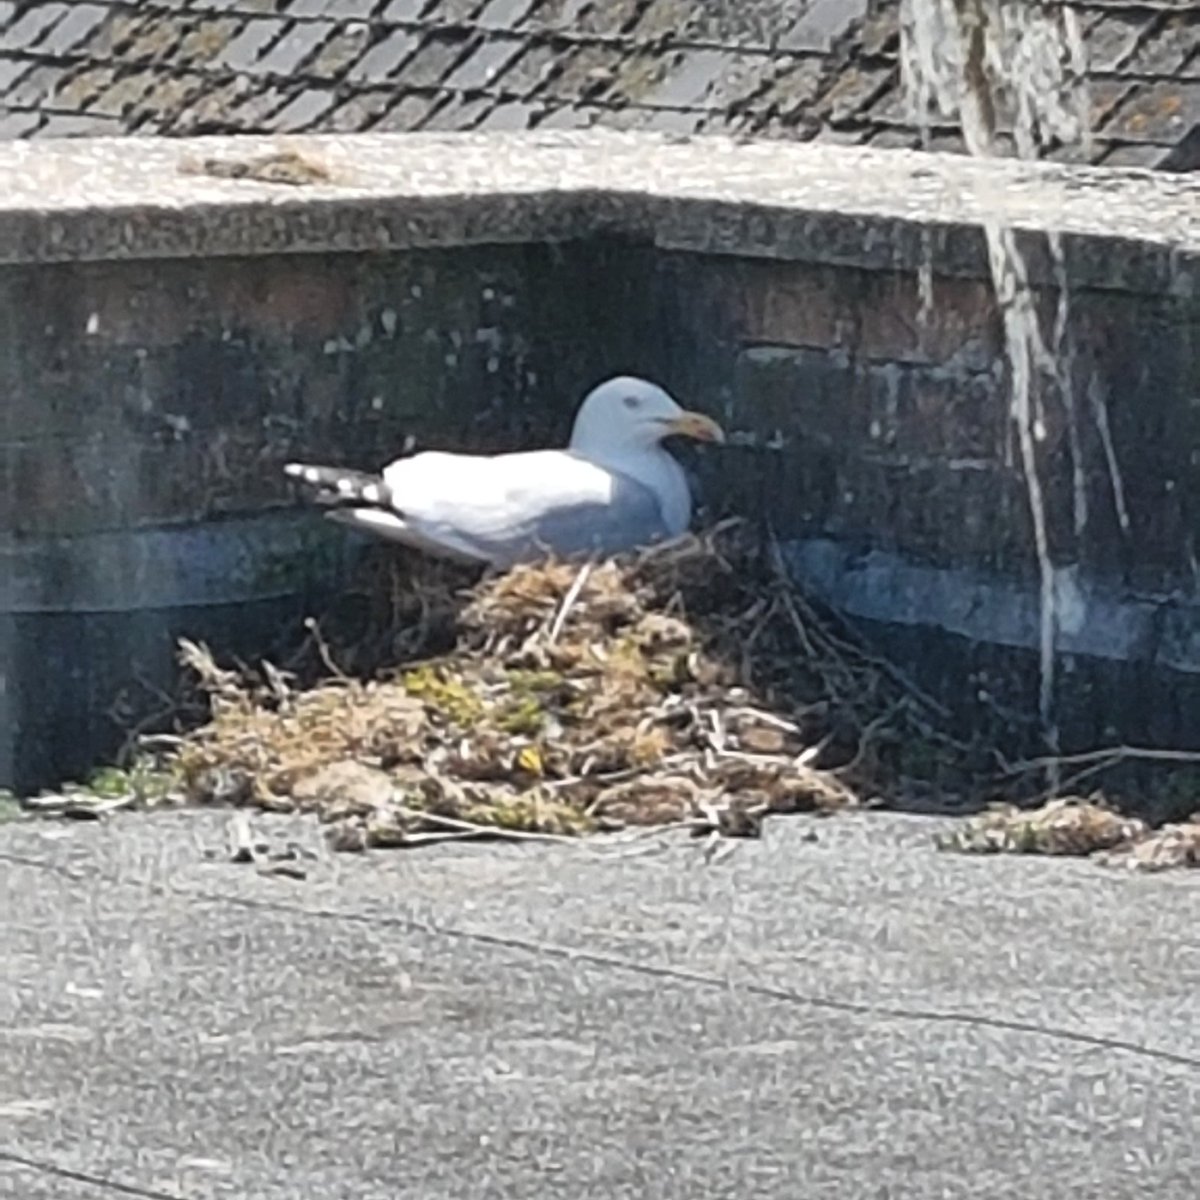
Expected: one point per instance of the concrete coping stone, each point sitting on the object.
(136, 198)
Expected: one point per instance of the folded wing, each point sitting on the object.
(498, 510)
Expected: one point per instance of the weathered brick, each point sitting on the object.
(895, 458)
(875, 315)
(960, 324)
(789, 307)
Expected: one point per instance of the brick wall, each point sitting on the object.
(895, 476)
(894, 421)
(150, 406)
(151, 403)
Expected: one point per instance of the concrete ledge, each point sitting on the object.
(100, 198)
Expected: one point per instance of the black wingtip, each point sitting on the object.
(340, 486)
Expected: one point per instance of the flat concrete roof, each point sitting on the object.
(113, 198)
(838, 1009)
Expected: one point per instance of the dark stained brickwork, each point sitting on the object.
(150, 404)
(149, 407)
(776, 68)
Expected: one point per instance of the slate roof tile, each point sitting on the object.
(20, 123)
(31, 25)
(383, 57)
(777, 68)
(1157, 114)
(361, 111)
(1113, 39)
(821, 24)
(406, 114)
(333, 9)
(485, 63)
(75, 25)
(343, 54)
(458, 113)
(295, 46)
(505, 14)
(1169, 48)
(434, 59)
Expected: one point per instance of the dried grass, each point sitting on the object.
(1079, 827)
(688, 684)
(1069, 825)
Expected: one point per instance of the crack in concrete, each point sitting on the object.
(616, 962)
(46, 1167)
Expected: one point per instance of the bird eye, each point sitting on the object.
(632, 402)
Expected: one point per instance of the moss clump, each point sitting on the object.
(521, 715)
(444, 694)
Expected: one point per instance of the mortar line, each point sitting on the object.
(536, 948)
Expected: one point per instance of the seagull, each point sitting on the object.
(615, 487)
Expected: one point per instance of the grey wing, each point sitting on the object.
(631, 518)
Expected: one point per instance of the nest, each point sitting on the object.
(693, 684)
(690, 684)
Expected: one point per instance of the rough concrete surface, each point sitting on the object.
(855, 1015)
(116, 198)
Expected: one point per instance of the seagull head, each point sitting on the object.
(628, 413)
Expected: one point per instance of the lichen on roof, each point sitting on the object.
(772, 68)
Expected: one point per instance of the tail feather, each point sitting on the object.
(341, 487)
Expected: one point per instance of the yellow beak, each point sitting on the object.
(696, 426)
